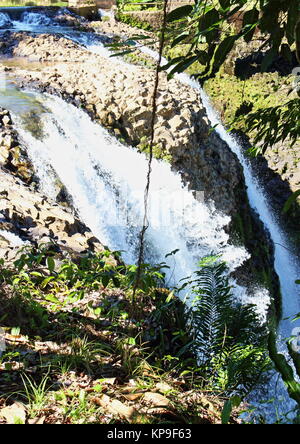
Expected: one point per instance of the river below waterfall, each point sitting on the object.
(105, 181)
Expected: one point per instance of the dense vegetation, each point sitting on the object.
(79, 349)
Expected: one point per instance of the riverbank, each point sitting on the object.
(98, 357)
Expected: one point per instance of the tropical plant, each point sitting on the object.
(228, 337)
(206, 29)
(209, 30)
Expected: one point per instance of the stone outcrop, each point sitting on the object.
(119, 96)
(12, 155)
(35, 219)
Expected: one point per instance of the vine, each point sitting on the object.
(151, 145)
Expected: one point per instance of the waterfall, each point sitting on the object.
(36, 19)
(286, 263)
(97, 173)
(5, 20)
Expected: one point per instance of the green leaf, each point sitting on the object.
(226, 412)
(50, 264)
(131, 341)
(179, 39)
(105, 280)
(202, 57)
(235, 401)
(223, 50)
(52, 298)
(36, 274)
(250, 21)
(46, 281)
(179, 13)
(140, 37)
(170, 296)
(290, 201)
(119, 54)
(209, 19)
(183, 65)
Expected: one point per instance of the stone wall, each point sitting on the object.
(103, 4)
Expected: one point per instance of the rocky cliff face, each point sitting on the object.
(12, 155)
(35, 219)
(25, 213)
(119, 96)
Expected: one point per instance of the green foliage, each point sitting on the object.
(227, 336)
(133, 21)
(275, 124)
(150, 338)
(35, 393)
(205, 23)
(207, 30)
(36, 270)
(292, 199)
(234, 401)
(283, 367)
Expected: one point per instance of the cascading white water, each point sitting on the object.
(13, 239)
(35, 19)
(97, 172)
(5, 20)
(286, 263)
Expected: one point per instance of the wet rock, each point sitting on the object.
(35, 219)
(12, 155)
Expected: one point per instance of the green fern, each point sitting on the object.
(227, 336)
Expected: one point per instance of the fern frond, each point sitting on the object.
(228, 337)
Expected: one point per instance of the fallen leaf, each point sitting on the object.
(14, 414)
(114, 406)
(37, 420)
(163, 387)
(133, 396)
(157, 403)
(156, 399)
(108, 381)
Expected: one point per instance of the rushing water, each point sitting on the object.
(97, 172)
(12, 238)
